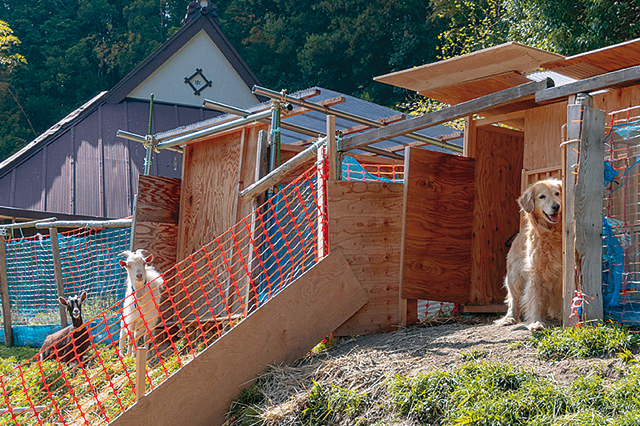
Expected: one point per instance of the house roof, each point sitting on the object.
(202, 20)
(58, 128)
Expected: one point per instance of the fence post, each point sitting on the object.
(582, 218)
(335, 165)
(4, 292)
(141, 372)
(588, 212)
(57, 270)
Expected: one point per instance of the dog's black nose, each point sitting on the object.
(555, 207)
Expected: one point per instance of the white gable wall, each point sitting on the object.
(167, 83)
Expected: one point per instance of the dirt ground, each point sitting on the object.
(364, 363)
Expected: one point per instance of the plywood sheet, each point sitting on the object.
(599, 61)
(484, 63)
(365, 223)
(498, 153)
(214, 171)
(281, 331)
(543, 136)
(437, 226)
(158, 199)
(474, 89)
(156, 226)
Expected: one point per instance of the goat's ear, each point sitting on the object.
(148, 258)
(63, 301)
(83, 297)
(122, 263)
(526, 200)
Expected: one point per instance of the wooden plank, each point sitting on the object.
(280, 332)
(599, 61)
(209, 191)
(365, 224)
(478, 105)
(543, 135)
(496, 214)
(158, 199)
(574, 117)
(4, 294)
(626, 76)
(437, 226)
(495, 60)
(588, 211)
(463, 92)
(159, 239)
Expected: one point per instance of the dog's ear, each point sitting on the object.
(526, 201)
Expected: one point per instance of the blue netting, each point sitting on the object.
(353, 170)
(620, 236)
(89, 263)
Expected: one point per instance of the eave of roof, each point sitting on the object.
(54, 130)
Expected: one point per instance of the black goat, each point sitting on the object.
(72, 342)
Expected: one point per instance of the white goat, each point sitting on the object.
(142, 299)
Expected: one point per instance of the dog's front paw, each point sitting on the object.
(506, 321)
(535, 326)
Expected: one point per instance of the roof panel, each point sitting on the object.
(599, 61)
(490, 62)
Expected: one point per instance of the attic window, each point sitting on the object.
(198, 82)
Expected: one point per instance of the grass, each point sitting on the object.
(583, 342)
(479, 393)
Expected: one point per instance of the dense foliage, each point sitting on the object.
(57, 54)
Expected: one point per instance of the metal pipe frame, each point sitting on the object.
(348, 116)
(208, 131)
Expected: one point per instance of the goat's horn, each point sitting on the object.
(125, 253)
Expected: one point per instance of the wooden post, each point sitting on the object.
(569, 177)
(335, 166)
(321, 202)
(588, 212)
(141, 372)
(4, 293)
(582, 218)
(57, 270)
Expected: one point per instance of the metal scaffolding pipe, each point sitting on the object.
(138, 138)
(208, 131)
(348, 116)
(228, 109)
(278, 174)
(90, 224)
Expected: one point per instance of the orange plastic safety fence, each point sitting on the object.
(354, 170)
(196, 301)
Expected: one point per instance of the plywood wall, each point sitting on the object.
(437, 226)
(543, 126)
(156, 216)
(365, 224)
(498, 153)
(214, 171)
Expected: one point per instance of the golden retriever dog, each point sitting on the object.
(534, 263)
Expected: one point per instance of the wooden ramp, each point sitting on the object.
(281, 331)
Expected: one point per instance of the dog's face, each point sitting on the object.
(543, 200)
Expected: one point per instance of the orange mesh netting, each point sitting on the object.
(202, 297)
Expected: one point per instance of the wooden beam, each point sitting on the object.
(478, 105)
(626, 76)
(279, 332)
(588, 212)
